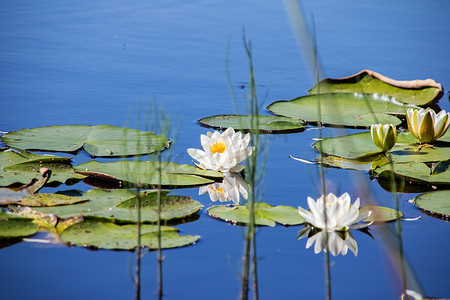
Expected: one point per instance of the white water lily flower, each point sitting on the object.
(222, 152)
(426, 125)
(383, 136)
(230, 189)
(339, 214)
(339, 242)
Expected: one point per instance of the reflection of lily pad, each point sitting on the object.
(100, 140)
(361, 110)
(436, 203)
(123, 237)
(266, 124)
(360, 146)
(417, 92)
(380, 213)
(265, 214)
(145, 172)
(23, 167)
(15, 226)
(120, 206)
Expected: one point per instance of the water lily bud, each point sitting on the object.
(426, 125)
(384, 136)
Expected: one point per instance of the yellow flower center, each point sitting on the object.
(218, 147)
(219, 190)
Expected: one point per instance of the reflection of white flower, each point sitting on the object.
(338, 241)
(222, 152)
(228, 190)
(426, 125)
(334, 213)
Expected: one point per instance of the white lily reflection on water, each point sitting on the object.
(339, 242)
(230, 189)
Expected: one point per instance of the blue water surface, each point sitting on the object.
(104, 62)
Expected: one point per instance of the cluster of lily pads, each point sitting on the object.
(105, 217)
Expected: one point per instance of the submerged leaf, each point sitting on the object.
(123, 237)
(266, 124)
(100, 140)
(417, 92)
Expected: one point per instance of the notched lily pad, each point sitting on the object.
(417, 173)
(436, 204)
(266, 124)
(265, 214)
(146, 173)
(24, 167)
(105, 235)
(417, 92)
(342, 109)
(100, 140)
(360, 146)
(42, 200)
(120, 206)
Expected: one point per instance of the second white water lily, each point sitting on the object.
(222, 152)
(334, 213)
(426, 125)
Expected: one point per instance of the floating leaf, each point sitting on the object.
(100, 140)
(266, 124)
(417, 92)
(24, 167)
(361, 146)
(120, 206)
(123, 237)
(145, 172)
(436, 203)
(265, 214)
(380, 213)
(415, 171)
(43, 199)
(16, 226)
(355, 110)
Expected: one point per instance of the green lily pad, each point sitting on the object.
(266, 124)
(145, 172)
(355, 110)
(417, 92)
(104, 235)
(42, 200)
(361, 146)
(100, 140)
(120, 206)
(15, 226)
(416, 173)
(23, 167)
(265, 214)
(380, 213)
(436, 203)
